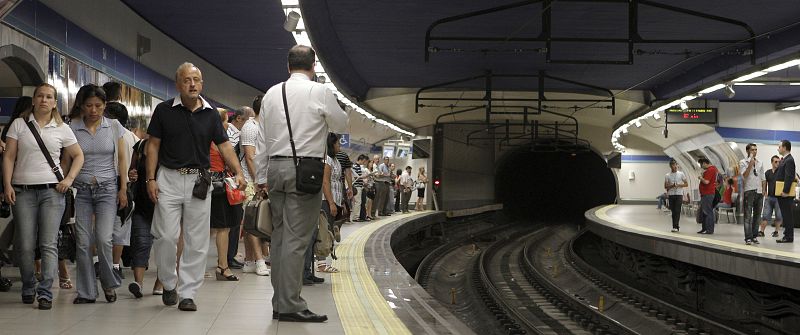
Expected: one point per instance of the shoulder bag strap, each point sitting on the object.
(288, 123)
(46, 153)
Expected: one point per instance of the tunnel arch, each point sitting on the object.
(556, 186)
(22, 63)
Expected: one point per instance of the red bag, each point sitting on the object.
(234, 195)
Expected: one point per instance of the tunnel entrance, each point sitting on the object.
(553, 186)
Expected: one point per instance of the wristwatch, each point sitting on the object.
(149, 180)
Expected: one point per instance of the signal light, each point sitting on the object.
(437, 183)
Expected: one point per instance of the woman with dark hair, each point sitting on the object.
(222, 213)
(34, 191)
(332, 196)
(102, 188)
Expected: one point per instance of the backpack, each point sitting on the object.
(323, 247)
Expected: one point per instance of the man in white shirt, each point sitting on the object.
(752, 172)
(313, 113)
(406, 184)
(674, 183)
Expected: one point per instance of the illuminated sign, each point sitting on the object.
(692, 115)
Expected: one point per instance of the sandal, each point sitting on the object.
(222, 276)
(327, 268)
(64, 283)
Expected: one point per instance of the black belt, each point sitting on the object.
(298, 157)
(36, 186)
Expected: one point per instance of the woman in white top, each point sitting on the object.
(33, 190)
(422, 181)
(332, 196)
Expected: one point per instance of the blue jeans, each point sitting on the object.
(37, 213)
(752, 212)
(705, 205)
(100, 201)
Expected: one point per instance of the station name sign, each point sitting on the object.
(692, 115)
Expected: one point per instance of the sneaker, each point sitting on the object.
(249, 267)
(755, 241)
(760, 234)
(674, 230)
(775, 233)
(748, 242)
(261, 268)
(135, 289)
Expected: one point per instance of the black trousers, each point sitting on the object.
(675, 202)
(233, 234)
(788, 217)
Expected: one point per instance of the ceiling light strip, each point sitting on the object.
(740, 81)
(301, 37)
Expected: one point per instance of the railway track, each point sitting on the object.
(530, 281)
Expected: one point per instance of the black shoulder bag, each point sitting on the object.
(67, 245)
(69, 209)
(309, 170)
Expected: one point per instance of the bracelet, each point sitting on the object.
(149, 180)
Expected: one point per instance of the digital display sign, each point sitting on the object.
(692, 115)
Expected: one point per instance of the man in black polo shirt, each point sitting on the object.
(181, 131)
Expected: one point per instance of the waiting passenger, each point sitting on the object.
(383, 180)
(752, 172)
(256, 251)
(708, 186)
(35, 191)
(771, 202)
(422, 182)
(370, 190)
(786, 173)
(222, 213)
(727, 195)
(332, 204)
(99, 193)
(674, 182)
(314, 110)
(359, 197)
(406, 185)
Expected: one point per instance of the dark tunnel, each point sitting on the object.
(553, 186)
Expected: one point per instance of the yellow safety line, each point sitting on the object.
(362, 308)
(602, 213)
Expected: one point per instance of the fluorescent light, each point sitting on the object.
(794, 84)
(791, 108)
(656, 116)
(750, 76)
(684, 106)
(750, 84)
(713, 88)
(638, 124)
(625, 129)
(783, 65)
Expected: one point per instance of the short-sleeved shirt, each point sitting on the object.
(770, 176)
(756, 176)
(233, 134)
(676, 178)
(357, 172)
(248, 137)
(185, 135)
(727, 196)
(344, 161)
(336, 180)
(709, 174)
(99, 161)
(30, 167)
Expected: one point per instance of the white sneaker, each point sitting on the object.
(249, 267)
(261, 268)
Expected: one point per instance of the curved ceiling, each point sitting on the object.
(382, 43)
(244, 39)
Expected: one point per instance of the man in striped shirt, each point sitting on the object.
(347, 180)
(358, 188)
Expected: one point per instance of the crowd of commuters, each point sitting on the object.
(770, 190)
(158, 191)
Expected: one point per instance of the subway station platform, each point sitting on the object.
(372, 294)
(645, 228)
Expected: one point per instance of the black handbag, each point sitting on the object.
(69, 198)
(203, 181)
(309, 170)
